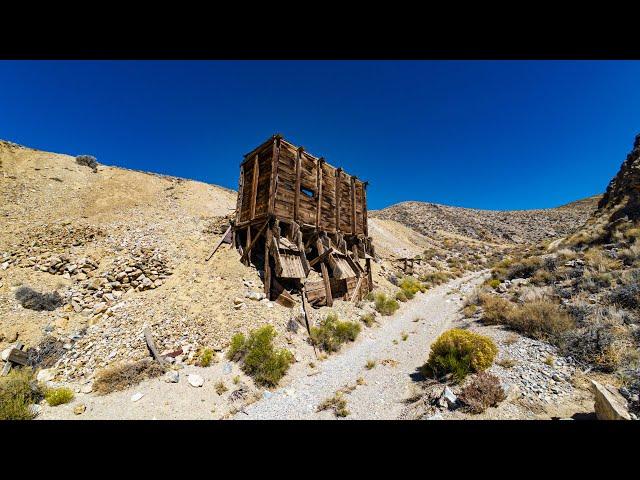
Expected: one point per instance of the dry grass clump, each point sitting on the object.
(259, 358)
(435, 278)
(541, 319)
(495, 310)
(33, 300)
(525, 268)
(627, 295)
(370, 364)
(58, 396)
(121, 376)
(18, 390)
(602, 340)
(220, 387)
(543, 277)
(400, 296)
(482, 392)
(506, 362)
(469, 310)
(459, 352)
(331, 333)
(337, 403)
(385, 306)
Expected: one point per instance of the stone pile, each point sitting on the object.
(144, 270)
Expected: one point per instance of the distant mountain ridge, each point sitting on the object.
(499, 226)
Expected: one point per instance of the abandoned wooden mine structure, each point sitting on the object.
(304, 223)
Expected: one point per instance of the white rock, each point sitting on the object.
(172, 376)
(46, 375)
(136, 396)
(195, 380)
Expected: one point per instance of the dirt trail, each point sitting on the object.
(388, 383)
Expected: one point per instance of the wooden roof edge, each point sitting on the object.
(301, 149)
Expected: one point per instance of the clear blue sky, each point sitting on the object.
(497, 135)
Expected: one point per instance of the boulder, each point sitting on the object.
(448, 399)
(195, 380)
(609, 405)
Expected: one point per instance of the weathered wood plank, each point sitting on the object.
(226, 234)
(273, 185)
(296, 191)
(254, 187)
(151, 345)
(247, 250)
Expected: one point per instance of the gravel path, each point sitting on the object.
(388, 383)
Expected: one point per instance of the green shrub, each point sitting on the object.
(259, 358)
(368, 319)
(58, 396)
(331, 333)
(494, 283)
(18, 390)
(205, 357)
(400, 296)
(385, 306)
(410, 286)
(236, 346)
(459, 352)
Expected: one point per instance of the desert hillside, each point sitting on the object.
(125, 250)
(514, 227)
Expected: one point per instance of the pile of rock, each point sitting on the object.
(539, 373)
(47, 247)
(65, 265)
(144, 270)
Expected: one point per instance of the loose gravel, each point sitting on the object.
(388, 383)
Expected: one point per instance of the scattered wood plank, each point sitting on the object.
(282, 297)
(17, 356)
(305, 309)
(357, 289)
(151, 345)
(222, 240)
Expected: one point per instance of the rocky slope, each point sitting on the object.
(512, 227)
(623, 192)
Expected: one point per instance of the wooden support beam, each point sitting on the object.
(353, 205)
(247, 250)
(365, 225)
(370, 278)
(319, 164)
(273, 184)
(322, 257)
(325, 273)
(226, 233)
(305, 309)
(254, 186)
(337, 193)
(239, 199)
(303, 255)
(296, 193)
(277, 260)
(267, 263)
